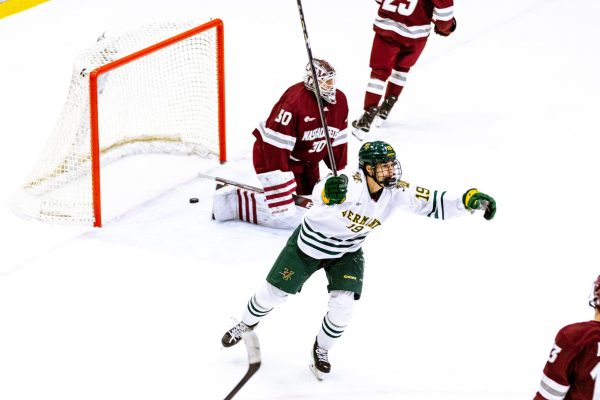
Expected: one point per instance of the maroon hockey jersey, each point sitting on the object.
(399, 20)
(293, 131)
(573, 368)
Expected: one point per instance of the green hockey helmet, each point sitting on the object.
(376, 154)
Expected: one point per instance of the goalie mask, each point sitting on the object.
(385, 167)
(595, 295)
(325, 77)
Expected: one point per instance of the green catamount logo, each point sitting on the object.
(286, 274)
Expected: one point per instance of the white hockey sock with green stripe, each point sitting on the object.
(341, 305)
(263, 301)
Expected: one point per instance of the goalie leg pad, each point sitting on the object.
(279, 187)
(234, 203)
(225, 204)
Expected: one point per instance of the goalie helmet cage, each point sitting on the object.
(156, 89)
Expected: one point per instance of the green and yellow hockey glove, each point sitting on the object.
(473, 199)
(335, 190)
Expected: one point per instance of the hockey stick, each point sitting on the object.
(317, 91)
(300, 201)
(232, 183)
(253, 347)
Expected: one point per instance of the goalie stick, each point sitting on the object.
(253, 347)
(300, 201)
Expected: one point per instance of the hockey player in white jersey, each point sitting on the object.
(330, 237)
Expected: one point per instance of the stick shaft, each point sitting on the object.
(317, 90)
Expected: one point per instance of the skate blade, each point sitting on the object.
(378, 122)
(359, 134)
(320, 375)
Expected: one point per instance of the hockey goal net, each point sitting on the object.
(156, 89)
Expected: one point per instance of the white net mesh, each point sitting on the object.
(163, 102)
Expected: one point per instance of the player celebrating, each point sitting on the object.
(572, 370)
(288, 148)
(331, 236)
(401, 31)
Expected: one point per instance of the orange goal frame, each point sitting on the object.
(95, 74)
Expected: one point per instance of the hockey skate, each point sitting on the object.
(234, 335)
(384, 110)
(362, 125)
(319, 364)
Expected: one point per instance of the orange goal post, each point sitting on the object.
(156, 89)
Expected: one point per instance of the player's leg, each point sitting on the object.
(231, 203)
(225, 203)
(309, 178)
(299, 169)
(405, 59)
(345, 277)
(234, 203)
(289, 272)
(383, 55)
(274, 208)
(263, 301)
(292, 267)
(279, 187)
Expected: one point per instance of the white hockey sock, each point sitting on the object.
(341, 306)
(398, 78)
(376, 86)
(263, 301)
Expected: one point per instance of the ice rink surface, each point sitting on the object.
(462, 309)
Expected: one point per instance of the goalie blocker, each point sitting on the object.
(277, 206)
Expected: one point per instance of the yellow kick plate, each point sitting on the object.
(10, 7)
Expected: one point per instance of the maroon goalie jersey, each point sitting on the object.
(293, 132)
(399, 20)
(573, 368)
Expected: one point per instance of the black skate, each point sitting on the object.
(384, 109)
(234, 335)
(319, 364)
(363, 124)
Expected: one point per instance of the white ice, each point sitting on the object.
(463, 309)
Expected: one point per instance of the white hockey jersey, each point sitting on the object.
(329, 231)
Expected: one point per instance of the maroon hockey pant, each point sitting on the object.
(387, 55)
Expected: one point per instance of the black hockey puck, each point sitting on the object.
(193, 200)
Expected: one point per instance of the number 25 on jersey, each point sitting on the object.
(405, 7)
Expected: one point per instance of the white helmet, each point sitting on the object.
(325, 76)
(594, 300)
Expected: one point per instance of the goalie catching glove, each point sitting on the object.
(473, 199)
(335, 190)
